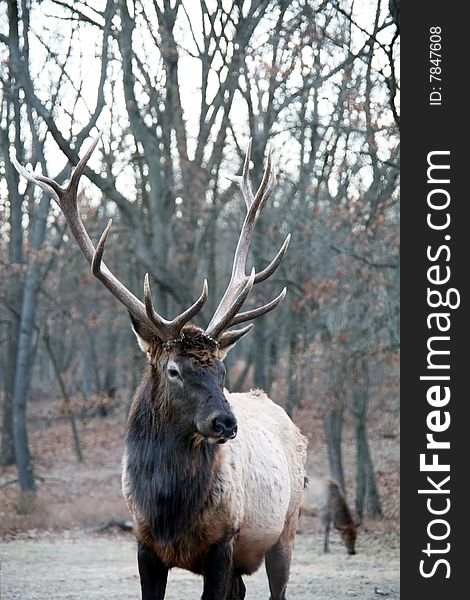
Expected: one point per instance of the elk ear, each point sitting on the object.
(230, 338)
(144, 335)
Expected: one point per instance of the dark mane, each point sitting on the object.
(168, 492)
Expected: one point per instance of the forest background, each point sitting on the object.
(176, 88)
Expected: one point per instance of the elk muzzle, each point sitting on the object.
(225, 427)
(218, 426)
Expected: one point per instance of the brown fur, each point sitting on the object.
(192, 343)
(349, 535)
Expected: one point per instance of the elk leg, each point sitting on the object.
(238, 589)
(326, 545)
(218, 571)
(153, 573)
(277, 559)
(277, 562)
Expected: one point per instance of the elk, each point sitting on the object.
(213, 479)
(323, 498)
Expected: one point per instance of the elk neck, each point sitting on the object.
(170, 475)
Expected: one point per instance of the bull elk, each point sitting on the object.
(199, 503)
(323, 498)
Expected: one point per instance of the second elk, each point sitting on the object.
(323, 498)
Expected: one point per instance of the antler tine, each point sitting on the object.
(230, 337)
(66, 197)
(169, 329)
(245, 183)
(47, 185)
(99, 251)
(258, 312)
(72, 187)
(243, 180)
(273, 265)
(233, 301)
(189, 313)
(101, 272)
(161, 324)
(267, 183)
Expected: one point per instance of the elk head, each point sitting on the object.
(185, 358)
(348, 534)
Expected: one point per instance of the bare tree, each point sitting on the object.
(176, 88)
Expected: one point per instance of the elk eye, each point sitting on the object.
(173, 372)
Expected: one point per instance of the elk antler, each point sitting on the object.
(66, 198)
(240, 283)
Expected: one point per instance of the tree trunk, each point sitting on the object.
(272, 362)
(293, 397)
(333, 426)
(260, 355)
(367, 494)
(14, 288)
(110, 384)
(65, 396)
(93, 359)
(7, 452)
(23, 362)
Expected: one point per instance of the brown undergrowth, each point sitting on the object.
(74, 495)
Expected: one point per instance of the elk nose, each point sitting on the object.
(225, 426)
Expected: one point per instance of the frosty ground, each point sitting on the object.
(77, 565)
(54, 552)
